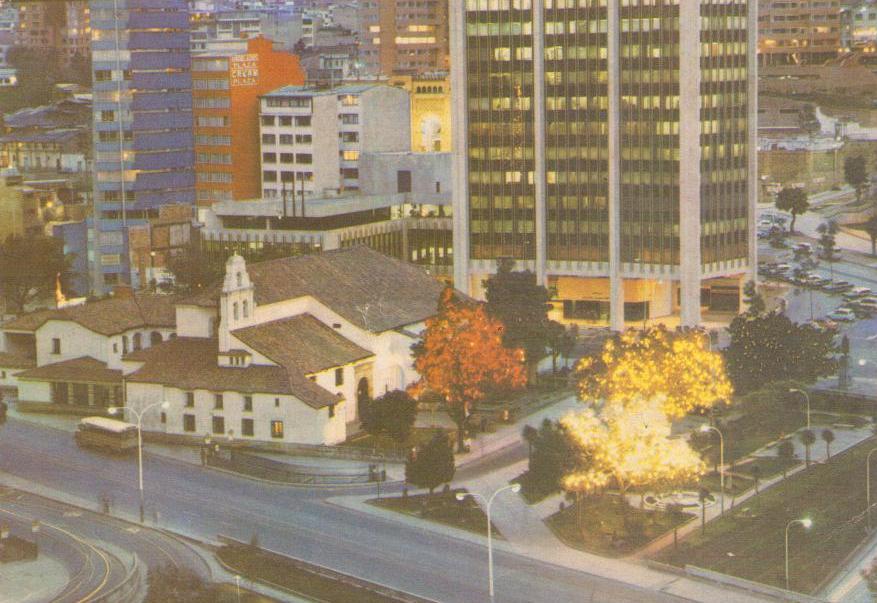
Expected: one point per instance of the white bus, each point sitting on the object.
(106, 434)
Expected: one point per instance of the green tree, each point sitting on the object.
(521, 304)
(552, 457)
(770, 348)
(432, 464)
(870, 227)
(171, 584)
(392, 414)
(754, 301)
(793, 200)
(29, 267)
(808, 438)
(561, 342)
(828, 438)
(828, 249)
(786, 453)
(856, 174)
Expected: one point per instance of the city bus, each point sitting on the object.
(107, 435)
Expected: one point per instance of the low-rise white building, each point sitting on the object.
(289, 350)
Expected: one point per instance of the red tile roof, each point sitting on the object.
(373, 291)
(191, 363)
(302, 342)
(83, 369)
(106, 316)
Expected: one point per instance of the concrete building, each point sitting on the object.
(859, 25)
(223, 32)
(792, 32)
(53, 138)
(312, 137)
(143, 140)
(430, 95)
(63, 27)
(614, 156)
(286, 351)
(226, 112)
(403, 209)
(399, 36)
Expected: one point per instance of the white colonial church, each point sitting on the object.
(286, 350)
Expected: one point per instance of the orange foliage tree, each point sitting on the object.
(460, 356)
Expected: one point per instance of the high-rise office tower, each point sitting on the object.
(143, 144)
(403, 37)
(609, 147)
(54, 27)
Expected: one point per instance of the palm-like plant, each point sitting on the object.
(808, 438)
(828, 438)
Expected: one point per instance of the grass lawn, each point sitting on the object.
(228, 592)
(734, 485)
(441, 507)
(769, 466)
(749, 541)
(603, 530)
(258, 565)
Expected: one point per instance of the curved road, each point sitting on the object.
(95, 549)
(298, 522)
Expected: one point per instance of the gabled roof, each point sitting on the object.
(371, 290)
(302, 342)
(191, 363)
(84, 368)
(16, 361)
(106, 316)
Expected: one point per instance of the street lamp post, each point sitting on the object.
(868, 485)
(704, 429)
(488, 502)
(807, 398)
(806, 522)
(113, 410)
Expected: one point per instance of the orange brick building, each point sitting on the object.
(225, 92)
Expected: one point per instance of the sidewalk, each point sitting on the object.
(32, 581)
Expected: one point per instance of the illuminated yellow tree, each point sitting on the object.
(678, 368)
(627, 446)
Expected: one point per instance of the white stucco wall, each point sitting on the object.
(76, 341)
(34, 391)
(194, 321)
(301, 423)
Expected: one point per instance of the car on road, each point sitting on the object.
(824, 324)
(842, 315)
(857, 292)
(803, 248)
(838, 287)
(867, 303)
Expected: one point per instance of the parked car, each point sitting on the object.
(857, 292)
(842, 315)
(803, 248)
(824, 324)
(838, 287)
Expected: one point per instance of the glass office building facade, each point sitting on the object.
(605, 145)
(143, 142)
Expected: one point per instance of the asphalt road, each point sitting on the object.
(94, 548)
(299, 522)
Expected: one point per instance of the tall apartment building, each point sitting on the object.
(609, 147)
(401, 36)
(226, 91)
(143, 145)
(54, 26)
(798, 31)
(312, 138)
(216, 32)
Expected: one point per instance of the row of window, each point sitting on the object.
(247, 426)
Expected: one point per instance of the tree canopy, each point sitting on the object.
(677, 368)
(461, 357)
(521, 304)
(29, 268)
(771, 347)
(627, 446)
(856, 173)
(392, 414)
(793, 200)
(432, 464)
